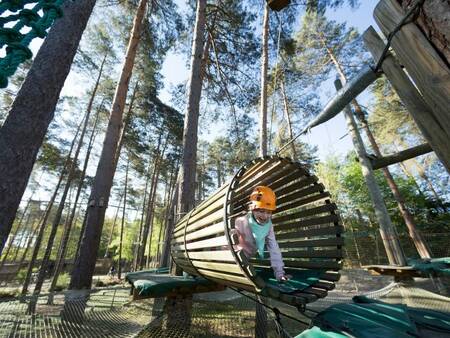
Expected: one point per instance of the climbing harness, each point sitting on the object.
(16, 42)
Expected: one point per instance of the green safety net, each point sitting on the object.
(372, 318)
(434, 266)
(19, 26)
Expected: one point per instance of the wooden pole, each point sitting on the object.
(421, 112)
(429, 72)
(382, 162)
(387, 231)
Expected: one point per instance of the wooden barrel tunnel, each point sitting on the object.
(306, 224)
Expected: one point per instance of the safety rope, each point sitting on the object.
(275, 310)
(16, 42)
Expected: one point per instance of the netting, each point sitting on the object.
(366, 247)
(20, 23)
(109, 313)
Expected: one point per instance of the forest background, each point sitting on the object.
(301, 71)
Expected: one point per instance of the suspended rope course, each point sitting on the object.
(35, 22)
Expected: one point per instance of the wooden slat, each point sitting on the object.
(301, 264)
(245, 188)
(247, 287)
(207, 243)
(313, 254)
(218, 267)
(430, 127)
(208, 231)
(304, 201)
(248, 180)
(208, 210)
(223, 255)
(425, 66)
(296, 174)
(302, 193)
(307, 222)
(332, 276)
(325, 285)
(320, 293)
(333, 230)
(224, 276)
(304, 213)
(312, 243)
(243, 196)
(296, 186)
(210, 219)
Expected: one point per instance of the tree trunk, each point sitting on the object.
(390, 238)
(288, 118)
(190, 133)
(57, 219)
(152, 214)
(40, 236)
(119, 271)
(33, 108)
(264, 67)
(68, 227)
(414, 233)
(95, 214)
(170, 224)
(141, 223)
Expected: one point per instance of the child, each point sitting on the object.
(255, 229)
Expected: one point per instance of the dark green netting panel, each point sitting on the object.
(20, 23)
(372, 318)
(151, 284)
(434, 266)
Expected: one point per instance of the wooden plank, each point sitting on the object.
(207, 243)
(208, 231)
(333, 230)
(207, 220)
(246, 287)
(305, 223)
(325, 285)
(225, 277)
(302, 193)
(306, 181)
(423, 63)
(296, 174)
(300, 264)
(223, 255)
(312, 243)
(332, 276)
(320, 293)
(422, 114)
(313, 254)
(245, 188)
(407, 154)
(217, 205)
(219, 267)
(304, 201)
(243, 196)
(279, 218)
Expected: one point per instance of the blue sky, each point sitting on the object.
(330, 137)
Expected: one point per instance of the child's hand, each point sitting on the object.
(284, 278)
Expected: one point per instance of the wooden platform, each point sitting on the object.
(396, 271)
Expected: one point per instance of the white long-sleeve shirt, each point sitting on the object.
(248, 244)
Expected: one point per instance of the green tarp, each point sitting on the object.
(153, 283)
(434, 266)
(367, 318)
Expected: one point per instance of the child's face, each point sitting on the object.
(262, 215)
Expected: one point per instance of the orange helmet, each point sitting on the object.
(263, 197)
